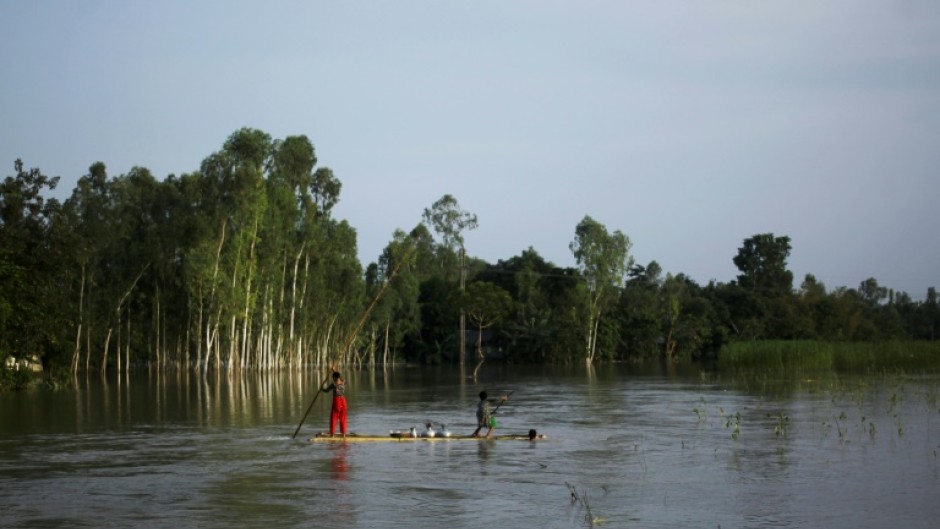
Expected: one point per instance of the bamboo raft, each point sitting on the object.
(404, 437)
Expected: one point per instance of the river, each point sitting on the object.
(624, 448)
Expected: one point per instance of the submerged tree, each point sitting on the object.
(603, 259)
(28, 263)
(449, 221)
(486, 304)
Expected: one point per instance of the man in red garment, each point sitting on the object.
(338, 408)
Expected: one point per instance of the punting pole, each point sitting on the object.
(355, 332)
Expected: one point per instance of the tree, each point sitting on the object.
(449, 221)
(486, 304)
(639, 312)
(397, 313)
(29, 279)
(871, 293)
(603, 259)
(763, 265)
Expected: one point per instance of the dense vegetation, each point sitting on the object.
(241, 265)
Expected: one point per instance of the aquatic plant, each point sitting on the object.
(581, 498)
(733, 422)
(701, 412)
(841, 427)
(796, 356)
(782, 422)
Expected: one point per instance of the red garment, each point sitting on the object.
(338, 413)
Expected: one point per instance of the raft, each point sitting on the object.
(398, 437)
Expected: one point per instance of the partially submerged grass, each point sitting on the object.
(581, 498)
(853, 357)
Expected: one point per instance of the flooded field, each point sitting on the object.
(624, 449)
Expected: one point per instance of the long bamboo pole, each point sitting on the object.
(352, 335)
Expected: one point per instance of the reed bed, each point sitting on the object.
(851, 357)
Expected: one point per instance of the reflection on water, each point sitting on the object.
(340, 461)
(649, 449)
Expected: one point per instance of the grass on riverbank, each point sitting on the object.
(811, 355)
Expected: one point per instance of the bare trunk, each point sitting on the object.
(589, 339)
(385, 347)
(303, 301)
(104, 352)
(88, 336)
(117, 354)
(293, 308)
(127, 345)
(156, 339)
(198, 333)
(212, 329)
(81, 318)
(77, 352)
(463, 315)
(372, 346)
(117, 311)
(593, 350)
(593, 323)
(480, 356)
(88, 348)
(232, 342)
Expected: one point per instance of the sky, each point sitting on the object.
(687, 126)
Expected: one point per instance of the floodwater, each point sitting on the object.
(624, 449)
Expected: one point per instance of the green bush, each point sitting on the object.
(15, 379)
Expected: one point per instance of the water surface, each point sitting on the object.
(624, 449)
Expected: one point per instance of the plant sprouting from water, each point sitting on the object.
(870, 428)
(733, 422)
(840, 426)
(581, 498)
(783, 421)
(701, 411)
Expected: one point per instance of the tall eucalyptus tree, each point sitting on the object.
(449, 221)
(603, 259)
(397, 314)
(486, 304)
(30, 289)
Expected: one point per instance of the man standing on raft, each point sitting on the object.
(338, 408)
(484, 416)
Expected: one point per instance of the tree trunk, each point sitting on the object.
(593, 353)
(104, 352)
(463, 315)
(117, 355)
(88, 335)
(480, 356)
(385, 348)
(81, 318)
(127, 346)
(156, 338)
(293, 308)
(213, 334)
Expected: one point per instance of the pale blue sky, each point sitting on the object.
(688, 126)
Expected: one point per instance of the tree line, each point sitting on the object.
(241, 265)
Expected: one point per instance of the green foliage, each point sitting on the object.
(15, 379)
(762, 261)
(809, 355)
(448, 220)
(603, 259)
(29, 260)
(241, 265)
